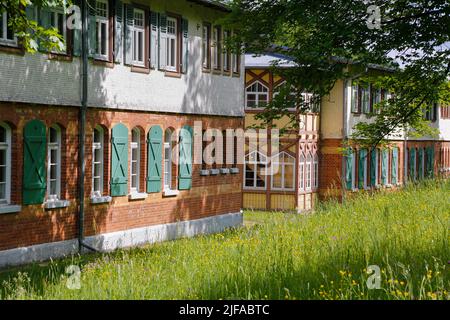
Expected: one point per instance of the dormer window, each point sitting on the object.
(257, 95)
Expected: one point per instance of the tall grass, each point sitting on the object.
(282, 256)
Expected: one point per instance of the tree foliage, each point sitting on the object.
(335, 39)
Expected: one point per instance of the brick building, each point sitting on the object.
(155, 68)
(312, 164)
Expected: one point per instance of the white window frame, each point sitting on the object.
(169, 38)
(215, 48)
(136, 31)
(168, 160)
(58, 13)
(4, 36)
(301, 166)
(99, 21)
(206, 40)
(100, 162)
(308, 172)
(282, 166)
(6, 146)
(254, 165)
(316, 171)
(135, 146)
(256, 93)
(54, 146)
(354, 97)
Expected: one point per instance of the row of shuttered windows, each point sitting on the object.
(363, 169)
(42, 161)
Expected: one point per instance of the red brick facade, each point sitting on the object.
(209, 196)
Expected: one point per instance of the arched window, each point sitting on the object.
(301, 171)
(54, 164)
(256, 95)
(316, 171)
(5, 164)
(308, 172)
(135, 160)
(168, 147)
(255, 170)
(283, 171)
(97, 162)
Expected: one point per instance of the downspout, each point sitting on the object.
(82, 126)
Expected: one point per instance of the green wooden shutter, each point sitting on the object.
(119, 161)
(361, 164)
(154, 167)
(34, 154)
(430, 162)
(420, 164)
(384, 166)
(185, 46)
(373, 167)
(412, 163)
(185, 159)
(394, 166)
(349, 169)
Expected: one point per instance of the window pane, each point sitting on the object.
(134, 181)
(140, 46)
(103, 39)
(53, 172)
(2, 190)
(1, 25)
(277, 179)
(96, 184)
(289, 177)
(53, 135)
(97, 170)
(2, 174)
(2, 157)
(2, 134)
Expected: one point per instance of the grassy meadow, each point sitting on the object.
(324, 255)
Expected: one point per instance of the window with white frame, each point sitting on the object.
(255, 174)
(58, 21)
(206, 54)
(256, 95)
(168, 146)
(236, 61)
(102, 30)
(172, 44)
(135, 160)
(283, 171)
(316, 171)
(301, 171)
(54, 164)
(138, 37)
(216, 48)
(365, 97)
(376, 99)
(226, 52)
(308, 172)
(97, 162)
(7, 36)
(5, 164)
(354, 97)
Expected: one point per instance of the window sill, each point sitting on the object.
(172, 74)
(236, 75)
(204, 173)
(60, 57)
(206, 70)
(140, 69)
(10, 208)
(234, 170)
(214, 172)
(137, 196)
(100, 200)
(103, 63)
(56, 204)
(224, 171)
(217, 72)
(170, 193)
(13, 49)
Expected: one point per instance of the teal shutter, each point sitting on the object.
(118, 31)
(430, 162)
(412, 163)
(129, 23)
(34, 154)
(394, 178)
(349, 169)
(153, 40)
(373, 167)
(162, 41)
(384, 166)
(185, 47)
(119, 161)
(361, 164)
(154, 167)
(420, 164)
(185, 159)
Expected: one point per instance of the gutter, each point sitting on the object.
(82, 126)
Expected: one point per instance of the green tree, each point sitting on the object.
(29, 32)
(335, 39)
